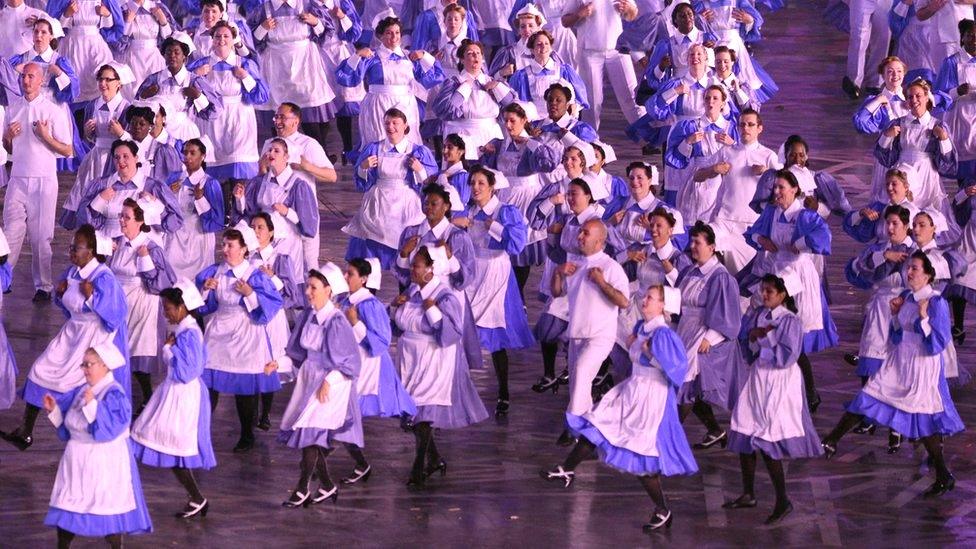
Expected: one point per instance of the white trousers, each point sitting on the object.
(585, 358)
(28, 210)
(620, 69)
(869, 40)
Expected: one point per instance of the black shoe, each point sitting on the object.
(894, 442)
(194, 509)
(779, 514)
(559, 474)
(406, 422)
(441, 466)
(322, 495)
(265, 423)
(19, 441)
(40, 296)
(814, 403)
(359, 475)
(244, 445)
(298, 499)
(546, 383)
(940, 487)
(565, 439)
(865, 428)
(830, 449)
(851, 359)
(501, 408)
(344, 158)
(563, 378)
(416, 480)
(958, 336)
(850, 88)
(660, 519)
(745, 501)
(711, 439)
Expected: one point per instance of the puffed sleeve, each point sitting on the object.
(365, 179)
(64, 402)
(339, 344)
(429, 163)
(189, 356)
(811, 233)
(861, 228)
(670, 353)
(722, 314)
(428, 71)
(154, 270)
(264, 303)
(351, 70)
(888, 149)
(377, 333)
(65, 86)
(294, 350)
(831, 193)
(305, 204)
(291, 291)
(112, 417)
(108, 301)
(781, 347)
(210, 208)
(172, 214)
(679, 152)
(257, 93)
(209, 296)
(936, 330)
(210, 103)
(449, 327)
(762, 227)
(508, 232)
(463, 250)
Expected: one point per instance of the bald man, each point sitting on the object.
(38, 132)
(597, 288)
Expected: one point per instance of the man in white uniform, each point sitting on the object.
(868, 45)
(38, 132)
(597, 288)
(598, 24)
(305, 155)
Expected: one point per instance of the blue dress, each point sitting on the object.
(104, 422)
(635, 427)
(158, 436)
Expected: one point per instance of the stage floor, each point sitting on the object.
(492, 495)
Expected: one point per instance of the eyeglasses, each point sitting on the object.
(85, 365)
(284, 117)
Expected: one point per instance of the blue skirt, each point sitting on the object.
(136, 521)
(960, 291)
(867, 366)
(33, 393)
(392, 399)
(466, 407)
(550, 329)
(911, 425)
(237, 171)
(240, 384)
(820, 340)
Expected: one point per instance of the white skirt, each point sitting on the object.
(770, 406)
(388, 208)
(189, 250)
(86, 53)
(233, 133)
(58, 367)
(234, 343)
(295, 72)
(427, 369)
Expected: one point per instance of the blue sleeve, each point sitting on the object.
(449, 328)
(514, 235)
(215, 99)
(764, 191)
(426, 158)
(356, 29)
(6, 274)
(189, 356)
(349, 77)
(363, 185)
(64, 403)
(112, 417)
(673, 156)
(212, 220)
(569, 74)
(108, 301)
(814, 231)
(339, 344)
(303, 200)
(519, 82)
(948, 79)
(867, 122)
(789, 341)
(463, 249)
(294, 350)
(428, 78)
(69, 93)
(172, 215)
(864, 230)
(762, 227)
(896, 22)
(425, 30)
(210, 301)
(831, 193)
(269, 299)
(259, 94)
(723, 313)
(113, 34)
(888, 156)
(669, 351)
(373, 314)
(161, 276)
(291, 292)
(941, 333)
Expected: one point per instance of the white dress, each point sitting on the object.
(233, 132)
(292, 64)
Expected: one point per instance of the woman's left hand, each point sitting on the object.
(742, 17)
(415, 165)
(323, 393)
(88, 395)
(281, 209)
(271, 367)
(923, 308)
(243, 288)
(309, 19)
(704, 347)
(87, 288)
(143, 251)
(428, 303)
(191, 93)
(940, 133)
(725, 139)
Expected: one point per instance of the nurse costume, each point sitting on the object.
(8, 364)
(162, 211)
(918, 147)
(138, 47)
(289, 283)
(183, 114)
(89, 38)
(468, 109)
(958, 69)
(190, 248)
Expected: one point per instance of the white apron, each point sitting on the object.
(808, 302)
(486, 293)
(396, 91)
(960, 119)
(146, 326)
(691, 327)
(304, 409)
(333, 51)
(85, 48)
(93, 164)
(58, 367)
(287, 237)
(427, 369)
(142, 55)
(234, 343)
(389, 206)
(189, 249)
(233, 133)
(292, 64)
(179, 112)
(521, 190)
(169, 423)
(93, 477)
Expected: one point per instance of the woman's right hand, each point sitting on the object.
(870, 214)
(895, 257)
(323, 393)
(400, 300)
(462, 222)
(370, 162)
(90, 128)
(767, 244)
(239, 190)
(49, 403)
(409, 246)
(269, 23)
(893, 131)
(210, 284)
(896, 304)
(62, 287)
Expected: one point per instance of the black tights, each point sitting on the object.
(500, 360)
(776, 474)
(185, 476)
(932, 443)
(806, 370)
(314, 461)
(267, 399)
(344, 123)
(247, 409)
(585, 449)
(958, 313)
(703, 411)
(65, 538)
(145, 385)
(549, 352)
(522, 277)
(356, 453)
(426, 454)
(30, 418)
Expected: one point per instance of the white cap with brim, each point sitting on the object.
(375, 278)
(333, 274)
(191, 295)
(110, 354)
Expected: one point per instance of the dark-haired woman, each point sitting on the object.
(103, 117)
(390, 73)
(62, 79)
(142, 270)
(102, 203)
(190, 249)
(428, 320)
(909, 392)
(957, 79)
(185, 96)
(454, 177)
(173, 431)
(94, 304)
(787, 235)
(380, 391)
(324, 407)
(769, 415)
(239, 301)
(158, 156)
(138, 47)
(469, 102)
(497, 231)
(708, 325)
(559, 128)
(921, 141)
(542, 71)
(390, 172)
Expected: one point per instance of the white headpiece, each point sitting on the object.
(125, 73)
(375, 277)
(185, 38)
(191, 295)
(531, 9)
(109, 354)
(57, 31)
(250, 237)
(333, 274)
(388, 12)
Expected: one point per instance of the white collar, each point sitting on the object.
(439, 229)
(239, 271)
(139, 240)
(325, 312)
(923, 120)
(653, 324)
(591, 211)
(703, 81)
(198, 177)
(267, 252)
(693, 35)
(664, 252)
(282, 178)
(964, 56)
(46, 56)
(231, 59)
(721, 121)
(907, 242)
(430, 288)
(276, 4)
(930, 245)
(900, 94)
(400, 147)
(138, 179)
(779, 311)
(182, 76)
(924, 292)
(462, 34)
(537, 68)
(88, 269)
(453, 169)
(360, 295)
(112, 103)
(793, 211)
(748, 146)
(492, 205)
(385, 52)
(565, 121)
(646, 202)
(709, 266)
(102, 384)
(188, 323)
